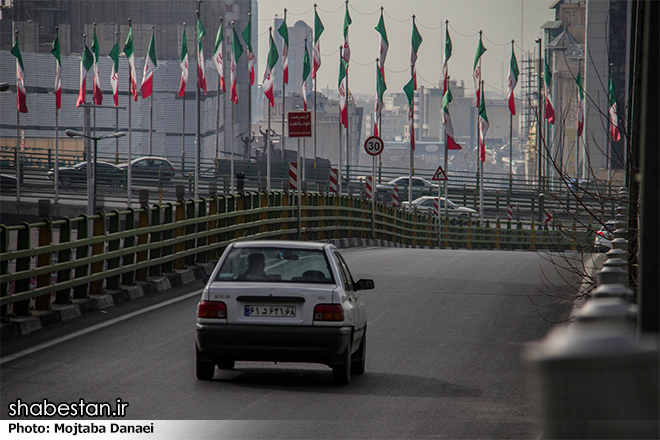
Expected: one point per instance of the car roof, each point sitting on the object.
(287, 244)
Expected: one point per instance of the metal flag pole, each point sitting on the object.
(481, 162)
(117, 38)
(299, 181)
(231, 143)
(18, 135)
(56, 178)
(217, 117)
(348, 131)
(130, 132)
(94, 102)
(151, 113)
(282, 137)
(340, 137)
(511, 142)
(198, 116)
(183, 125)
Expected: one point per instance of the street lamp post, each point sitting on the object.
(91, 170)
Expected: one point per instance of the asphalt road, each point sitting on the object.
(445, 336)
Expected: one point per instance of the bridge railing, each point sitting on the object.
(58, 262)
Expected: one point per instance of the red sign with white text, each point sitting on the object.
(300, 124)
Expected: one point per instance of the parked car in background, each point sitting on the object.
(282, 301)
(106, 174)
(419, 185)
(424, 205)
(604, 237)
(150, 168)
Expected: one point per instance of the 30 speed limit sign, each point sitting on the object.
(373, 145)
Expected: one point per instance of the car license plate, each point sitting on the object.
(270, 311)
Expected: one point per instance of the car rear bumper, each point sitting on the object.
(270, 343)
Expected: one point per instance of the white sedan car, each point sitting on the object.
(424, 205)
(282, 301)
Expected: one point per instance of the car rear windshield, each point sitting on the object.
(276, 265)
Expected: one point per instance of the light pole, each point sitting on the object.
(91, 171)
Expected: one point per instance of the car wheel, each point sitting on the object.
(115, 183)
(341, 373)
(464, 216)
(359, 358)
(205, 370)
(226, 364)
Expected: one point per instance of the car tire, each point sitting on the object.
(115, 183)
(341, 373)
(205, 370)
(359, 358)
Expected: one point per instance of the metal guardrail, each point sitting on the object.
(56, 262)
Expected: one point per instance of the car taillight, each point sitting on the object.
(328, 312)
(212, 309)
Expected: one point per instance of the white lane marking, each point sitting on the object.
(93, 328)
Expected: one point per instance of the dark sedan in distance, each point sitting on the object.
(149, 168)
(106, 174)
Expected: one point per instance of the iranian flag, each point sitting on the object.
(614, 117)
(183, 62)
(306, 70)
(316, 56)
(415, 43)
(150, 65)
(341, 88)
(549, 108)
(409, 89)
(247, 38)
(384, 43)
(283, 30)
(201, 73)
(445, 69)
(446, 122)
(96, 82)
(217, 56)
(130, 56)
(114, 76)
(380, 92)
(347, 47)
(483, 128)
(237, 51)
(55, 50)
(512, 81)
(268, 80)
(86, 62)
(476, 70)
(21, 94)
(580, 103)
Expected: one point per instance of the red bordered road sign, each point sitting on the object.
(439, 174)
(374, 145)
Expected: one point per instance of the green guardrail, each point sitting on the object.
(56, 262)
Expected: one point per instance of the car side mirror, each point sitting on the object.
(364, 284)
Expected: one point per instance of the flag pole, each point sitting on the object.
(217, 118)
(129, 186)
(183, 125)
(18, 135)
(268, 132)
(197, 105)
(56, 179)
(151, 112)
(511, 141)
(117, 37)
(341, 48)
(231, 143)
(481, 163)
(282, 137)
(348, 129)
(94, 113)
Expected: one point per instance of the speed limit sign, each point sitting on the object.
(373, 145)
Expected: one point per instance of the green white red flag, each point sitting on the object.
(384, 43)
(483, 127)
(201, 72)
(445, 69)
(512, 81)
(247, 38)
(347, 47)
(130, 56)
(150, 65)
(237, 51)
(55, 50)
(267, 83)
(549, 108)
(446, 122)
(580, 103)
(343, 95)
(416, 41)
(86, 62)
(283, 30)
(316, 55)
(96, 81)
(114, 75)
(476, 70)
(614, 117)
(306, 70)
(381, 86)
(409, 89)
(183, 62)
(217, 55)
(21, 94)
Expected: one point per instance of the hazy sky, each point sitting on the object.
(500, 20)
